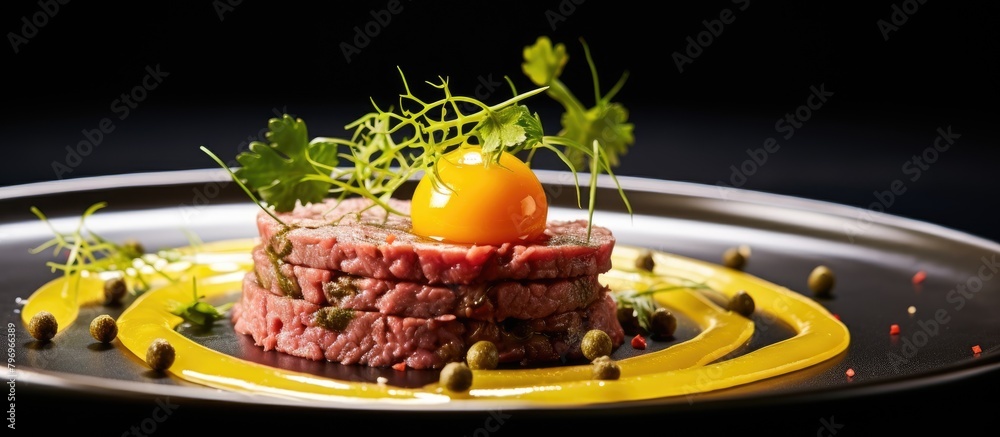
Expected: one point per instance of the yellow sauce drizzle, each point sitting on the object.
(56, 295)
(688, 367)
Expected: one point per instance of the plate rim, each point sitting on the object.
(545, 176)
(75, 382)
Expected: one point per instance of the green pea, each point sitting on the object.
(742, 303)
(821, 281)
(605, 368)
(456, 376)
(483, 355)
(629, 320)
(736, 257)
(662, 324)
(596, 343)
(645, 261)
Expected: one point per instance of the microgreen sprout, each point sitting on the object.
(387, 147)
(86, 251)
(641, 301)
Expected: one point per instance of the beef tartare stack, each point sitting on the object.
(351, 284)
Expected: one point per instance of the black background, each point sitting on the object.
(227, 69)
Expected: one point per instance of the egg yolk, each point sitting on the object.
(476, 203)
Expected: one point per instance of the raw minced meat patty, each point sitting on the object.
(374, 244)
(304, 329)
(492, 301)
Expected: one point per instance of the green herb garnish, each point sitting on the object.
(288, 156)
(388, 147)
(198, 312)
(606, 122)
(290, 169)
(641, 301)
(86, 251)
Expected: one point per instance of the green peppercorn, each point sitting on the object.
(133, 249)
(104, 328)
(456, 376)
(43, 326)
(821, 281)
(483, 355)
(742, 303)
(604, 368)
(160, 355)
(736, 257)
(629, 320)
(662, 324)
(645, 261)
(595, 343)
(114, 290)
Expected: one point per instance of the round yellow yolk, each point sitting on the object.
(476, 203)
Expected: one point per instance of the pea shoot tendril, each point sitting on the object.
(87, 251)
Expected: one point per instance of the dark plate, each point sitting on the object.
(874, 257)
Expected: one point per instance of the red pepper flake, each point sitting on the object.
(399, 366)
(836, 316)
(639, 342)
(919, 277)
(894, 329)
(390, 238)
(977, 350)
(849, 373)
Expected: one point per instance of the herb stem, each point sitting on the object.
(559, 92)
(240, 183)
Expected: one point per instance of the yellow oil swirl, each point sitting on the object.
(689, 367)
(57, 295)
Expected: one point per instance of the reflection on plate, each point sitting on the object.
(942, 320)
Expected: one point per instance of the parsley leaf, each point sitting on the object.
(606, 122)
(507, 129)
(544, 63)
(279, 171)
